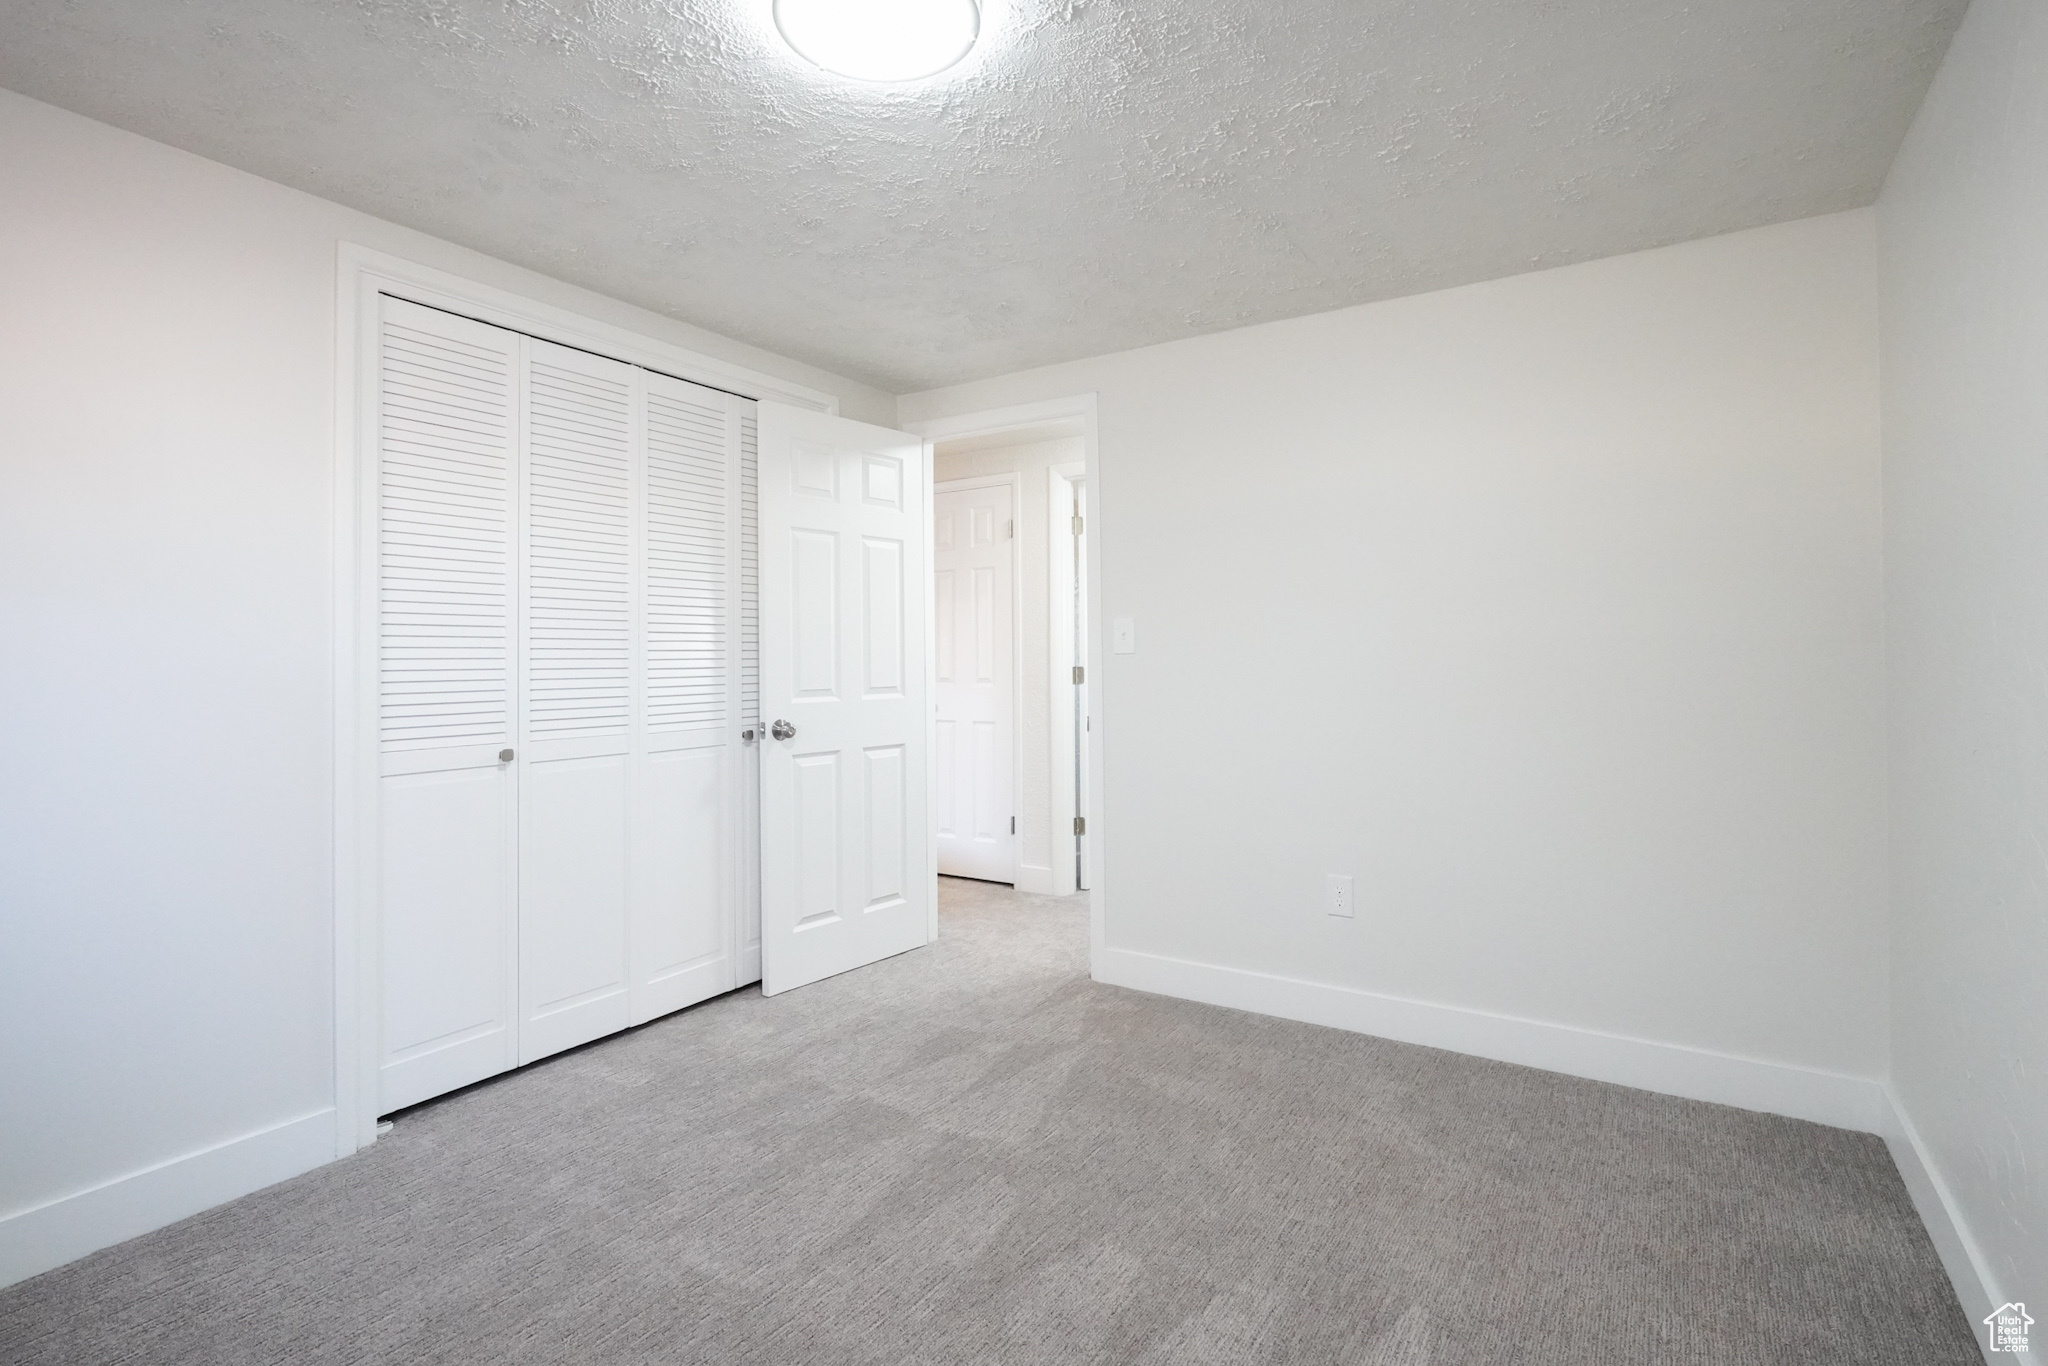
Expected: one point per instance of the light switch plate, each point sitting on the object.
(1123, 637)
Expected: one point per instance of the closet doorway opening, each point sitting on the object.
(631, 702)
(978, 657)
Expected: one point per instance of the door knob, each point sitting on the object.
(504, 756)
(782, 730)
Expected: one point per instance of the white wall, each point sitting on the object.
(1032, 460)
(166, 406)
(1965, 299)
(1551, 609)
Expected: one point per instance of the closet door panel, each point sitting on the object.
(447, 436)
(687, 508)
(572, 884)
(682, 927)
(446, 846)
(580, 599)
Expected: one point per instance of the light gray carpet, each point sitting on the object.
(973, 1154)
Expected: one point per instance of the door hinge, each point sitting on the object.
(1080, 825)
(1013, 825)
(1077, 524)
(1079, 673)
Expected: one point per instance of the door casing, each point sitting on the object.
(1064, 482)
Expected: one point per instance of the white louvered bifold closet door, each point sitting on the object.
(447, 425)
(689, 814)
(562, 569)
(627, 829)
(575, 761)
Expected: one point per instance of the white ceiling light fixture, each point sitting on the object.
(880, 40)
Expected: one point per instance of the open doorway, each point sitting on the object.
(1044, 452)
(1008, 672)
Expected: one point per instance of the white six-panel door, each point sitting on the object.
(973, 674)
(559, 575)
(845, 852)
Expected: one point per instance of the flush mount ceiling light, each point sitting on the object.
(880, 40)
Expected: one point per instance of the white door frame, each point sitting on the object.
(1070, 416)
(363, 274)
(1015, 483)
(1059, 530)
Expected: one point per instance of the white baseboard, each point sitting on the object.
(1775, 1088)
(1960, 1255)
(46, 1236)
(1035, 879)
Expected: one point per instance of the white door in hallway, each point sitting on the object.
(846, 871)
(973, 552)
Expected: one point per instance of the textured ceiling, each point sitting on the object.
(1095, 176)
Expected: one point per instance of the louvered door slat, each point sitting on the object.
(579, 579)
(447, 427)
(687, 536)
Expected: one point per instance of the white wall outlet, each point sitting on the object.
(1337, 894)
(1123, 637)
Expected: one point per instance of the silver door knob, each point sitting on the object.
(504, 756)
(782, 730)
(748, 735)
